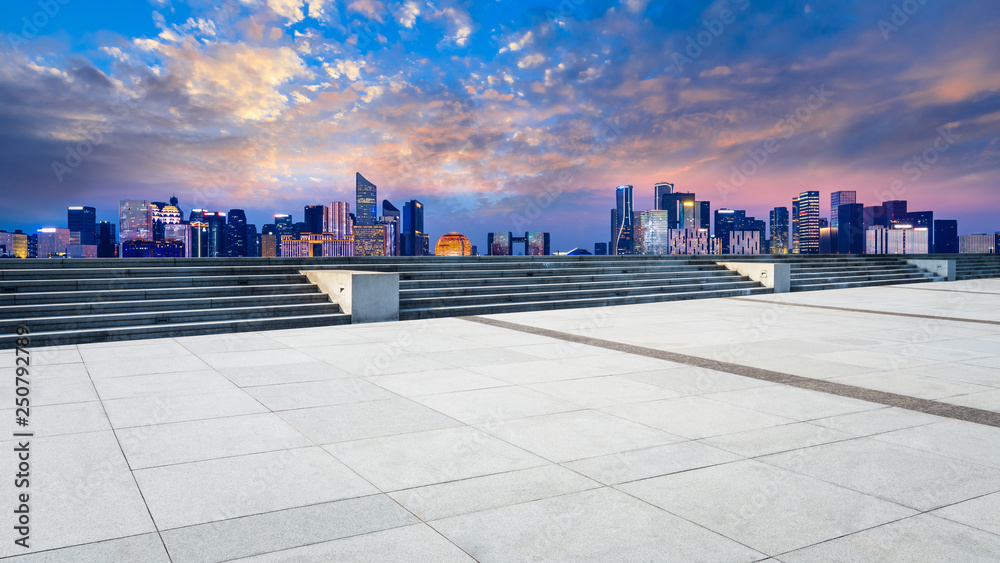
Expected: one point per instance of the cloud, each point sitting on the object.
(346, 68)
(371, 9)
(531, 61)
(717, 71)
(407, 14)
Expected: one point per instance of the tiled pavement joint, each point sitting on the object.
(937, 408)
(876, 312)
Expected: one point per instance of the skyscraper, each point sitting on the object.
(236, 244)
(728, 221)
(537, 243)
(622, 242)
(921, 220)
(500, 244)
(367, 202)
(674, 204)
(808, 222)
(215, 240)
(314, 217)
(851, 229)
(895, 212)
(283, 225)
(795, 226)
(337, 220)
(659, 189)
(82, 221)
(107, 240)
(413, 229)
(391, 218)
(779, 230)
(135, 220)
(836, 200)
(945, 236)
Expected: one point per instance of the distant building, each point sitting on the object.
(903, 240)
(372, 240)
(135, 220)
(945, 236)
(82, 221)
(453, 244)
(779, 231)
(392, 217)
(808, 222)
(107, 240)
(794, 231)
(414, 240)
(499, 244)
(690, 242)
(653, 234)
(728, 220)
(367, 202)
(152, 249)
(179, 232)
(536, 243)
(236, 238)
(977, 244)
(836, 200)
(744, 242)
(875, 217)
(337, 220)
(310, 245)
(269, 246)
(622, 241)
(601, 248)
(681, 210)
(851, 230)
(314, 218)
(52, 242)
(13, 245)
(659, 190)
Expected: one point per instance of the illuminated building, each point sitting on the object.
(689, 242)
(537, 243)
(153, 249)
(794, 227)
(977, 244)
(135, 220)
(337, 219)
(312, 245)
(499, 244)
(622, 241)
(107, 240)
(52, 242)
(367, 202)
(82, 220)
(13, 245)
(659, 190)
(391, 219)
(680, 208)
(269, 246)
(653, 232)
(166, 213)
(901, 239)
(744, 242)
(283, 224)
(779, 230)
(371, 240)
(453, 244)
(315, 215)
(808, 215)
(235, 243)
(851, 230)
(180, 233)
(414, 240)
(836, 200)
(600, 249)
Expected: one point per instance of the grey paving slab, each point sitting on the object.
(577, 435)
(176, 383)
(121, 366)
(473, 357)
(980, 375)
(769, 509)
(356, 421)
(953, 438)
(435, 381)
(318, 393)
(454, 498)
(605, 391)
(220, 489)
(986, 400)
(237, 342)
(277, 357)
(687, 380)
(921, 538)
(80, 491)
(148, 350)
(399, 545)
(297, 372)
(912, 385)
(498, 403)
(435, 456)
(774, 439)
(877, 421)
(905, 476)
(538, 371)
(598, 525)
(284, 529)
(696, 417)
(981, 512)
(650, 462)
(198, 440)
(790, 402)
(68, 389)
(145, 548)
(560, 350)
(163, 409)
(55, 356)
(70, 418)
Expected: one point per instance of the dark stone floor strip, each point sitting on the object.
(946, 410)
(871, 311)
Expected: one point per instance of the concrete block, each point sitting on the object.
(369, 297)
(776, 276)
(943, 268)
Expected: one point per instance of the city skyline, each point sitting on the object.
(518, 120)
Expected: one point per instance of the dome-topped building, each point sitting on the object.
(453, 244)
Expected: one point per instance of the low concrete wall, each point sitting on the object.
(944, 268)
(776, 276)
(368, 297)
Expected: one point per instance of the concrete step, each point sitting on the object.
(540, 272)
(859, 277)
(39, 286)
(109, 307)
(607, 278)
(152, 294)
(848, 285)
(493, 309)
(545, 286)
(64, 337)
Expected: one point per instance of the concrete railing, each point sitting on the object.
(942, 268)
(368, 297)
(777, 276)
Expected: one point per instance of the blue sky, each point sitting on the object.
(497, 115)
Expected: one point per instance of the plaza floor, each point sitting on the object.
(844, 425)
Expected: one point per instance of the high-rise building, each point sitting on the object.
(809, 222)
(945, 236)
(314, 245)
(392, 218)
(794, 228)
(659, 190)
(179, 232)
(875, 217)
(135, 220)
(82, 220)
(500, 244)
(269, 245)
(107, 240)
(413, 235)
(367, 202)
(679, 206)
(337, 220)
(836, 200)
(52, 242)
(13, 245)
(851, 229)
(253, 241)
(622, 241)
(653, 234)
(283, 224)
(236, 241)
(901, 239)
(315, 215)
(729, 220)
(371, 240)
(537, 243)
(895, 212)
(779, 230)
(921, 220)
(742, 242)
(213, 241)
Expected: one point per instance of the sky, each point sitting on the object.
(498, 116)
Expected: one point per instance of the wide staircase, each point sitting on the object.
(78, 304)
(977, 266)
(516, 286)
(849, 272)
